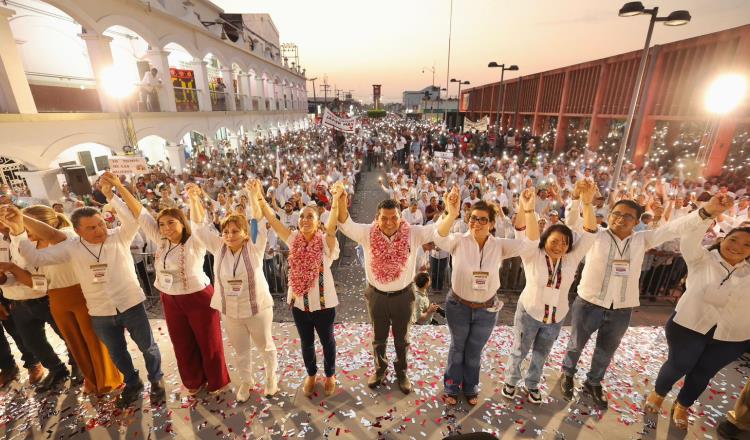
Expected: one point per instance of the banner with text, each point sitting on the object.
(123, 166)
(480, 125)
(342, 124)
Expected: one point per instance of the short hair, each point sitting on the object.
(484, 206)
(745, 229)
(79, 213)
(239, 220)
(178, 215)
(560, 228)
(387, 204)
(630, 204)
(421, 279)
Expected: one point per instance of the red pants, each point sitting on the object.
(195, 330)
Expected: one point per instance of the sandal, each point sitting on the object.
(680, 416)
(472, 399)
(653, 403)
(450, 399)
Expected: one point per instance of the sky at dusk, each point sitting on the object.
(357, 44)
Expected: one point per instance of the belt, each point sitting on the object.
(393, 293)
(473, 305)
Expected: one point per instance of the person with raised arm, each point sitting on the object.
(471, 306)
(244, 298)
(185, 290)
(390, 252)
(312, 291)
(550, 265)
(104, 266)
(709, 328)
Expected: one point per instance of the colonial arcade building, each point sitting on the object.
(73, 73)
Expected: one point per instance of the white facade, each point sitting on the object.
(58, 53)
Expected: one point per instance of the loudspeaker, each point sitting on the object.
(77, 180)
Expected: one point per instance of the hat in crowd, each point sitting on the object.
(554, 213)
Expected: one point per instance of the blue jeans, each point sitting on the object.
(308, 323)
(586, 318)
(530, 334)
(470, 329)
(111, 330)
(695, 356)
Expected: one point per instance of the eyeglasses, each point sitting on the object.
(626, 217)
(480, 220)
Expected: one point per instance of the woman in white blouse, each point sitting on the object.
(471, 306)
(550, 264)
(709, 328)
(312, 291)
(186, 293)
(244, 299)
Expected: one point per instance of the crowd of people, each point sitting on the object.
(454, 203)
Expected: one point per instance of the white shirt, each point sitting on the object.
(232, 267)
(289, 220)
(706, 301)
(598, 285)
(330, 299)
(418, 235)
(58, 275)
(178, 267)
(12, 288)
(537, 294)
(414, 218)
(468, 258)
(121, 290)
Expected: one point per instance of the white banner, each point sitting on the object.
(480, 125)
(342, 124)
(125, 165)
(445, 155)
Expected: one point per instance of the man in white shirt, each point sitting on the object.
(412, 214)
(150, 84)
(104, 266)
(390, 250)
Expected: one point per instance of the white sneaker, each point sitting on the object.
(243, 392)
(272, 386)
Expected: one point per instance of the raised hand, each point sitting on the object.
(12, 217)
(718, 204)
(588, 191)
(452, 201)
(528, 199)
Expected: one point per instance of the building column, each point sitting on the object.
(536, 124)
(227, 77)
(598, 124)
(597, 130)
(201, 83)
(100, 56)
(15, 93)
(158, 59)
(562, 122)
(243, 86)
(43, 184)
(720, 148)
(176, 156)
(643, 142)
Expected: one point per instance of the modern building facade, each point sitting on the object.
(66, 66)
(587, 103)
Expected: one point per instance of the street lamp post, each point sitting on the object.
(630, 9)
(501, 97)
(442, 116)
(454, 80)
(315, 99)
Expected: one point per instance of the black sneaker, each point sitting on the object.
(728, 430)
(597, 393)
(8, 375)
(508, 391)
(130, 395)
(566, 386)
(158, 392)
(534, 395)
(53, 380)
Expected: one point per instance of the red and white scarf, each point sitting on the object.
(305, 259)
(389, 257)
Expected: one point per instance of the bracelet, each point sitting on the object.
(704, 214)
(528, 211)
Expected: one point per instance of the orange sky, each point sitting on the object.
(357, 44)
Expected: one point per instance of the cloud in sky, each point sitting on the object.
(390, 42)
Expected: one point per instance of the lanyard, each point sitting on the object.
(92, 254)
(167, 253)
(236, 263)
(553, 275)
(624, 248)
(729, 274)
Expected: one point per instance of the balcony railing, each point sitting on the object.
(186, 99)
(219, 101)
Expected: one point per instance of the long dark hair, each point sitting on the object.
(717, 245)
(562, 229)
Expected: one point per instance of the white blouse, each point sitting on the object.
(179, 268)
(313, 296)
(58, 275)
(545, 296)
(716, 292)
(469, 262)
(233, 296)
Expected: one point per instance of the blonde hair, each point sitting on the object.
(239, 220)
(47, 215)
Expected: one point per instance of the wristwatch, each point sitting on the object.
(704, 214)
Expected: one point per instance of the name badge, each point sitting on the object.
(479, 280)
(4, 255)
(166, 279)
(621, 268)
(98, 273)
(39, 283)
(234, 287)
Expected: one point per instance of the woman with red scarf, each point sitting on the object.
(312, 292)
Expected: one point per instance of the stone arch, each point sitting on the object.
(70, 153)
(131, 23)
(76, 12)
(181, 42)
(153, 147)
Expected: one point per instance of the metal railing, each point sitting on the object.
(186, 99)
(219, 101)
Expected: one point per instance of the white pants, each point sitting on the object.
(258, 329)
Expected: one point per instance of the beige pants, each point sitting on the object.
(246, 332)
(740, 417)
